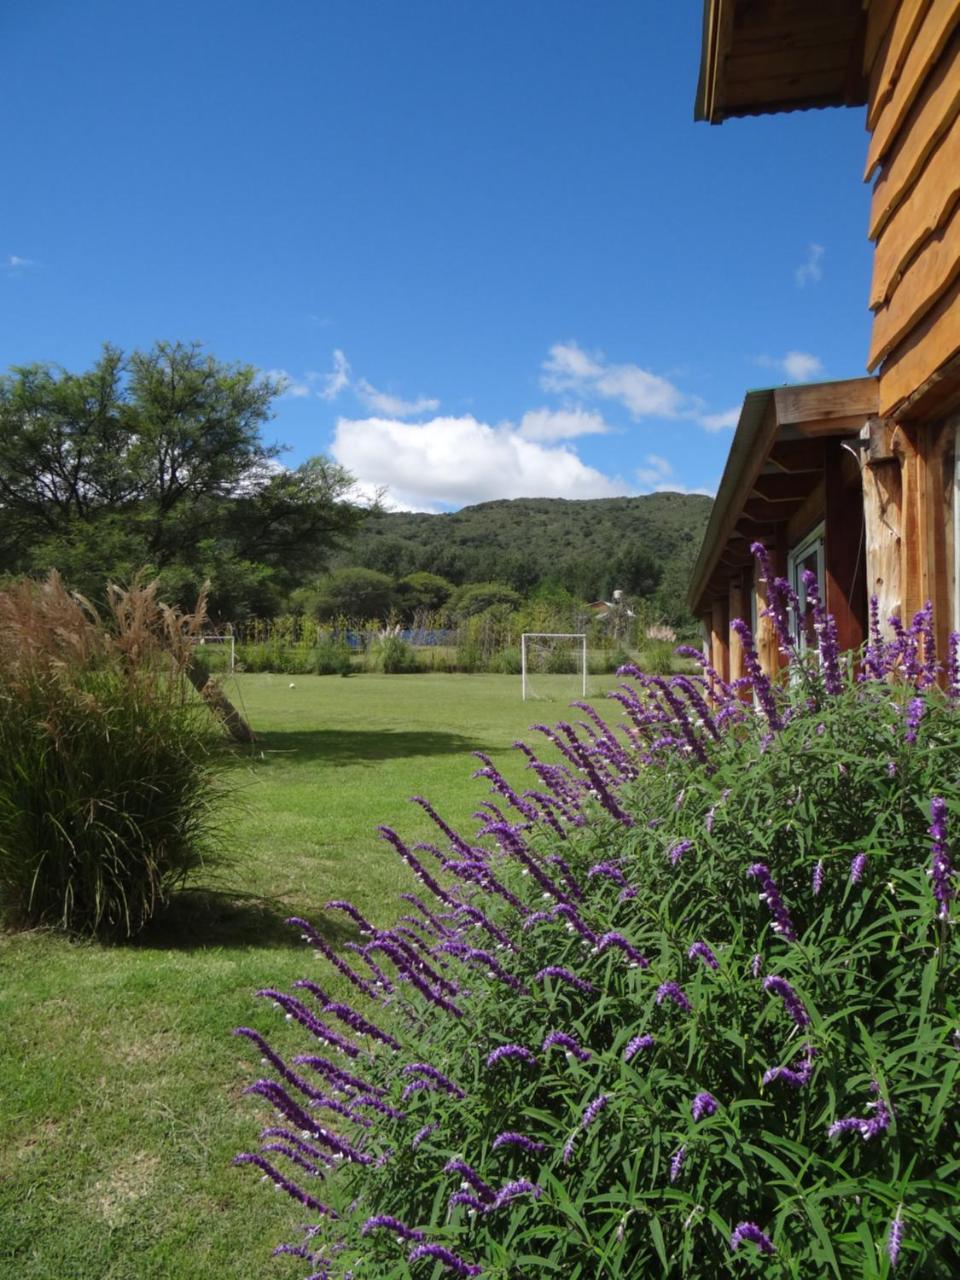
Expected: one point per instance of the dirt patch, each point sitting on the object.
(129, 1182)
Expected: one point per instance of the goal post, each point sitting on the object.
(538, 656)
(225, 649)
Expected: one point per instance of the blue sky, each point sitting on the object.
(483, 240)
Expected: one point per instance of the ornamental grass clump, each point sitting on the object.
(106, 795)
(758, 1077)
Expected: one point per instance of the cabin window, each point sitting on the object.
(808, 554)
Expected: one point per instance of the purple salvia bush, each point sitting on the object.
(519, 1187)
(456, 840)
(560, 1040)
(916, 708)
(614, 939)
(750, 1231)
(511, 1139)
(796, 1079)
(310, 935)
(502, 787)
(284, 1184)
(794, 1006)
(671, 991)
(438, 1253)
(705, 954)
(782, 923)
(558, 973)
(826, 633)
(676, 851)
(857, 868)
(817, 879)
(384, 1222)
(703, 1105)
(941, 869)
(338, 905)
(504, 1051)
(431, 1073)
(634, 1046)
(470, 1176)
(676, 1163)
(895, 1238)
(868, 1128)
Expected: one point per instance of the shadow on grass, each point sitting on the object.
(195, 919)
(357, 746)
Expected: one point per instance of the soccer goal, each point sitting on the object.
(547, 661)
(218, 653)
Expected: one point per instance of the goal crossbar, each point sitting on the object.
(553, 635)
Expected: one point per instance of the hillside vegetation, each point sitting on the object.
(583, 546)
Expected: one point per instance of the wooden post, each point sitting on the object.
(925, 452)
(843, 551)
(735, 609)
(882, 498)
(720, 637)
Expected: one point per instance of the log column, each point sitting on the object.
(736, 600)
(882, 500)
(720, 638)
(843, 551)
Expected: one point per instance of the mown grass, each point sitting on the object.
(120, 1085)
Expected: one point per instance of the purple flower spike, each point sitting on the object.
(895, 1238)
(706, 955)
(670, 991)
(676, 1163)
(560, 974)
(782, 923)
(470, 1175)
(423, 1133)
(450, 1260)
(383, 1221)
(468, 1201)
(703, 1105)
(560, 1040)
(796, 1079)
(792, 1002)
(676, 852)
(857, 868)
(818, 878)
(941, 868)
(510, 1051)
(593, 1110)
(510, 1139)
(521, 1187)
(636, 1044)
(867, 1128)
(750, 1231)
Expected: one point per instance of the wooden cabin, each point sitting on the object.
(878, 508)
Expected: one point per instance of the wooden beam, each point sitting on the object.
(843, 553)
(880, 14)
(939, 24)
(822, 402)
(882, 499)
(827, 427)
(761, 512)
(783, 486)
(798, 456)
(735, 609)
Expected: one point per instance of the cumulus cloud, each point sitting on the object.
(720, 421)
(459, 460)
(799, 366)
(810, 270)
(642, 393)
(561, 424)
(392, 406)
(658, 476)
(13, 262)
(331, 384)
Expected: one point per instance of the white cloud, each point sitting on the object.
(289, 385)
(657, 471)
(392, 406)
(333, 383)
(642, 393)
(13, 262)
(720, 421)
(810, 271)
(561, 424)
(457, 461)
(799, 366)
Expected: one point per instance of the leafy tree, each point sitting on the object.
(423, 591)
(477, 597)
(354, 593)
(156, 459)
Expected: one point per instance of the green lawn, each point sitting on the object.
(120, 1084)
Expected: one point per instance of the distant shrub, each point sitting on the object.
(607, 661)
(396, 657)
(506, 663)
(691, 1010)
(329, 659)
(656, 658)
(106, 799)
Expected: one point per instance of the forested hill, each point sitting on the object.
(588, 546)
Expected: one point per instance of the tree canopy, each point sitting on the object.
(156, 459)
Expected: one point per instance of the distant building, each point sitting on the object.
(855, 480)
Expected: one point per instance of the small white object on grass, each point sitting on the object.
(291, 685)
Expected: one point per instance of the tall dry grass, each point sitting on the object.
(106, 780)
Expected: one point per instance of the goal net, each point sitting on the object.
(217, 653)
(553, 664)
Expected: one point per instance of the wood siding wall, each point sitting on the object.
(912, 53)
